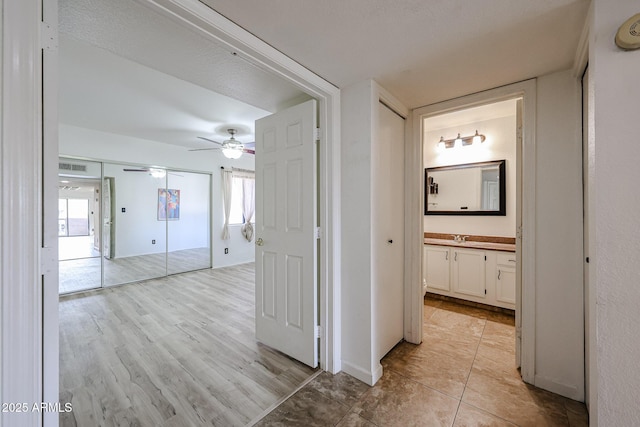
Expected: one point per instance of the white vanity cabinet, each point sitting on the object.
(436, 262)
(479, 275)
(506, 277)
(468, 272)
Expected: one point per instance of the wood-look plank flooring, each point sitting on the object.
(85, 273)
(175, 351)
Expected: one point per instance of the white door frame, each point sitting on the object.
(28, 236)
(29, 158)
(414, 214)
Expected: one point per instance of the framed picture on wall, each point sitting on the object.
(168, 204)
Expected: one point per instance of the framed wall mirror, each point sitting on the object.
(466, 189)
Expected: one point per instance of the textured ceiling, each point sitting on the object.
(422, 51)
(128, 70)
(105, 92)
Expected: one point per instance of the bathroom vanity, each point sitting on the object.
(474, 270)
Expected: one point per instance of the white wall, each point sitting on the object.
(139, 226)
(363, 228)
(500, 144)
(87, 143)
(559, 296)
(357, 296)
(614, 74)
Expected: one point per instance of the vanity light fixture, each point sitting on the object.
(461, 141)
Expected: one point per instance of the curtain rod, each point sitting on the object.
(239, 170)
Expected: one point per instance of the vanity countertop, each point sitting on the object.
(507, 247)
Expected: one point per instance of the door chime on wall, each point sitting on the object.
(460, 141)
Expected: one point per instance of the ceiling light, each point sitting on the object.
(461, 141)
(232, 152)
(157, 173)
(231, 148)
(441, 145)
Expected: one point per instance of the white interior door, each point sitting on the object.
(388, 233)
(286, 278)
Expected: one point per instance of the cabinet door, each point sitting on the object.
(469, 272)
(437, 268)
(505, 277)
(506, 284)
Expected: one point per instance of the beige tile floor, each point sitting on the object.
(463, 374)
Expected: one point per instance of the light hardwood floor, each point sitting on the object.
(175, 351)
(85, 273)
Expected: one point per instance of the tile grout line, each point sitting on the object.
(470, 369)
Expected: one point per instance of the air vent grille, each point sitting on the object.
(72, 167)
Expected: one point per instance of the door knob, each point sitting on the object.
(260, 242)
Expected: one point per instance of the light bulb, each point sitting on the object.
(477, 139)
(157, 173)
(458, 141)
(232, 153)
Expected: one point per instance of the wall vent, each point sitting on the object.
(72, 167)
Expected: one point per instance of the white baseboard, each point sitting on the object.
(364, 375)
(566, 390)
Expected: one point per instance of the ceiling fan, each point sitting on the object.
(231, 148)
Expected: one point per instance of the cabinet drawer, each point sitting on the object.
(506, 259)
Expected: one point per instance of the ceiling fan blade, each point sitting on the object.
(210, 140)
(203, 149)
(135, 170)
(248, 151)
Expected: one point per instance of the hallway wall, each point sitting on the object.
(614, 74)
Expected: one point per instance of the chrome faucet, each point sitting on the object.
(456, 237)
(464, 238)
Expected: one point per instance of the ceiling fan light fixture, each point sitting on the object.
(231, 148)
(157, 173)
(232, 152)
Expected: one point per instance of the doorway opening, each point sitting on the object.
(498, 268)
(76, 136)
(472, 213)
(79, 229)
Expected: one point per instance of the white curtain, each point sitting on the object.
(248, 205)
(227, 177)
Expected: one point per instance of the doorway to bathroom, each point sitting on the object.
(472, 248)
(470, 222)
